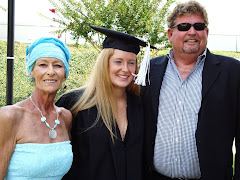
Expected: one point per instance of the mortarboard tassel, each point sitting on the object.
(140, 78)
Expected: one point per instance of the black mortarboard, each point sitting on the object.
(120, 40)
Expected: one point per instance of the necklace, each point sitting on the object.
(184, 70)
(52, 132)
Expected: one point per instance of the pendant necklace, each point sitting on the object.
(52, 132)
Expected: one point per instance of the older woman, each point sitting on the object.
(34, 133)
(107, 131)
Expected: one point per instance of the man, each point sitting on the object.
(192, 105)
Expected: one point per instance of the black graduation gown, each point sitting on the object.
(96, 157)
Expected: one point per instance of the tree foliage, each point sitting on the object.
(2, 8)
(142, 18)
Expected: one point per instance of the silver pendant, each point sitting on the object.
(52, 134)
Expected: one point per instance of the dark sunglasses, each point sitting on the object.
(187, 26)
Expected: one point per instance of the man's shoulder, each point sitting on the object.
(223, 58)
(158, 59)
(226, 63)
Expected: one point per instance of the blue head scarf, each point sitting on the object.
(47, 47)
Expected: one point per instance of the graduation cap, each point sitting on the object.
(129, 43)
(120, 40)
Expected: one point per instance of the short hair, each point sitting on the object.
(187, 8)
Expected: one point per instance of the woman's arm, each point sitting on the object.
(7, 138)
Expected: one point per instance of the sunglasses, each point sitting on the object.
(187, 26)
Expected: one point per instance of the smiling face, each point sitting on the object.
(191, 41)
(121, 66)
(49, 74)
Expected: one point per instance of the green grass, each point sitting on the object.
(82, 60)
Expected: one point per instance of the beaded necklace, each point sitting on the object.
(52, 132)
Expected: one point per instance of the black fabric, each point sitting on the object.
(96, 157)
(218, 119)
(124, 45)
(121, 41)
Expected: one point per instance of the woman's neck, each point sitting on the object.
(45, 102)
(120, 93)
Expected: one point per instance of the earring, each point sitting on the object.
(31, 79)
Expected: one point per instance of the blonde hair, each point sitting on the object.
(99, 92)
(188, 8)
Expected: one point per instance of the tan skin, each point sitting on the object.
(121, 66)
(187, 45)
(20, 123)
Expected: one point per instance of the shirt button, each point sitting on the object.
(180, 102)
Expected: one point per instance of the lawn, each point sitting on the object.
(82, 60)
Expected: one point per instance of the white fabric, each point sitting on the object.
(140, 78)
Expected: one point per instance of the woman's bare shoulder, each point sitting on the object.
(10, 115)
(7, 113)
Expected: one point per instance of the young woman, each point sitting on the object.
(34, 133)
(107, 131)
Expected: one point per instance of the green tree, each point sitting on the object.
(142, 18)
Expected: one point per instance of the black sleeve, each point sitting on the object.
(69, 99)
(237, 143)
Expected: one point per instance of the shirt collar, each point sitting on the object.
(200, 60)
(201, 57)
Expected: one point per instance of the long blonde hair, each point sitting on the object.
(99, 92)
